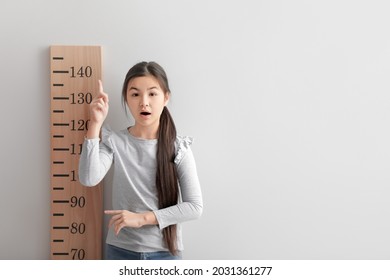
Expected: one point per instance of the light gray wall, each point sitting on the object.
(288, 102)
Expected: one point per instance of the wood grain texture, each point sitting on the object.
(76, 211)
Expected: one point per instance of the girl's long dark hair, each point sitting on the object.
(166, 175)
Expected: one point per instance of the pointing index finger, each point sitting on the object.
(112, 212)
(102, 93)
(100, 86)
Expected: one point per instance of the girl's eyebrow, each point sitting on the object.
(134, 88)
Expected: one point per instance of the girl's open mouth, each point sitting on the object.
(145, 113)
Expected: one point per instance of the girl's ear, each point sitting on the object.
(166, 98)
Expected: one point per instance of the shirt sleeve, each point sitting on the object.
(191, 205)
(95, 159)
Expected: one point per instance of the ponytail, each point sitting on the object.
(166, 176)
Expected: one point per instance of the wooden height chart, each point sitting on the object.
(76, 210)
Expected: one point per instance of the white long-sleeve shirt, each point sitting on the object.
(134, 188)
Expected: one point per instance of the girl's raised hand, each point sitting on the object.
(99, 107)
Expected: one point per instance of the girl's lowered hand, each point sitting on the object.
(123, 218)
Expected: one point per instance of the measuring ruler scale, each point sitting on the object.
(76, 210)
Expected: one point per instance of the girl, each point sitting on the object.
(155, 183)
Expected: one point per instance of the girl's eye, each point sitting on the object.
(134, 94)
(152, 94)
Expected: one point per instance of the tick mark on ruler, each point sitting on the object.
(60, 98)
(60, 71)
(58, 188)
(61, 149)
(58, 85)
(60, 227)
(58, 162)
(60, 175)
(60, 254)
(61, 201)
(58, 111)
(58, 58)
(60, 124)
(58, 136)
(58, 240)
(58, 214)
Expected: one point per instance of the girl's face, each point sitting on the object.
(146, 100)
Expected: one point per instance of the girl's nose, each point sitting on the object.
(144, 102)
